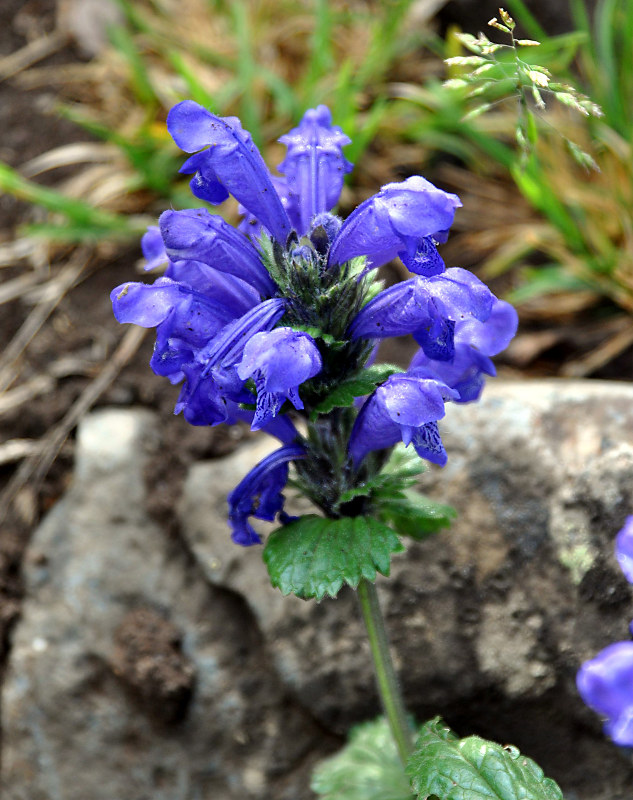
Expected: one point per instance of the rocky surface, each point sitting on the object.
(172, 669)
(130, 676)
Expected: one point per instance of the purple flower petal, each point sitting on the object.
(605, 684)
(197, 235)
(212, 386)
(279, 362)
(259, 494)
(399, 217)
(232, 160)
(227, 348)
(464, 373)
(427, 443)
(145, 304)
(492, 335)
(422, 257)
(153, 248)
(474, 342)
(426, 308)
(314, 165)
(230, 291)
(398, 411)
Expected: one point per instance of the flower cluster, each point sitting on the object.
(268, 319)
(605, 682)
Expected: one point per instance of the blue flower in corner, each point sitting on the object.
(624, 549)
(605, 684)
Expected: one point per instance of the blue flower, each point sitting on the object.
(428, 308)
(624, 549)
(474, 342)
(403, 219)
(314, 167)
(605, 684)
(404, 408)
(205, 238)
(259, 494)
(279, 362)
(230, 164)
(213, 389)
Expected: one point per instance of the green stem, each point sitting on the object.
(386, 679)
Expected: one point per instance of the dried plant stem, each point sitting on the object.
(35, 468)
(38, 317)
(386, 679)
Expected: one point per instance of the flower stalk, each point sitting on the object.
(386, 678)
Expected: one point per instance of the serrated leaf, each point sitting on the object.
(416, 516)
(474, 769)
(364, 383)
(367, 768)
(315, 556)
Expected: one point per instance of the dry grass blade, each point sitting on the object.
(17, 449)
(33, 469)
(29, 248)
(32, 53)
(17, 287)
(20, 396)
(69, 155)
(597, 358)
(38, 316)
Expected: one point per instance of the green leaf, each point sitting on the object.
(367, 768)
(317, 333)
(364, 383)
(417, 516)
(314, 556)
(474, 769)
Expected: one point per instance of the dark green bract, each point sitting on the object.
(474, 769)
(315, 556)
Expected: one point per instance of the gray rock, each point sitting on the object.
(130, 676)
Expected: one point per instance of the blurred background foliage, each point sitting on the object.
(555, 236)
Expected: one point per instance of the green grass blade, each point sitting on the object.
(321, 59)
(196, 91)
(140, 81)
(247, 70)
(78, 212)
